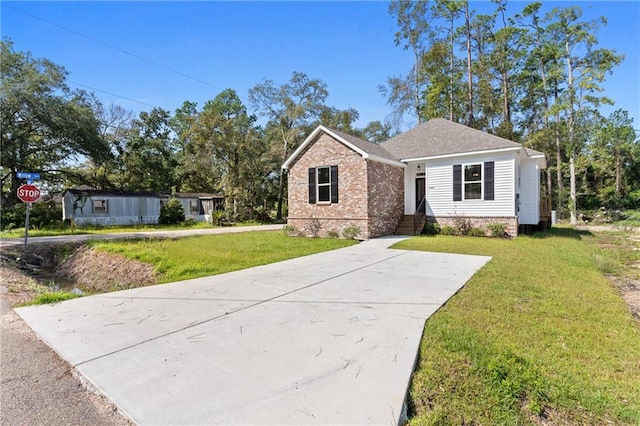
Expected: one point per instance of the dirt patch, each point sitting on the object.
(624, 244)
(67, 266)
(629, 289)
(98, 272)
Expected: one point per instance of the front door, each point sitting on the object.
(420, 192)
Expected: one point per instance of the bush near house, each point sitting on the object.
(171, 212)
(350, 232)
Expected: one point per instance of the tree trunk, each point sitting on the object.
(618, 189)
(469, 75)
(451, 71)
(572, 122)
(572, 181)
(558, 157)
(506, 106)
(280, 196)
(282, 176)
(559, 165)
(416, 87)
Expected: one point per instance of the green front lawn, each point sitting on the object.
(539, 332)
(199, 256)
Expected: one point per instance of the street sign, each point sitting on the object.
(29, 193)
(30, 176)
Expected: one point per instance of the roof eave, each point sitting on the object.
(384, 160)
(321, 128)
(460, 154)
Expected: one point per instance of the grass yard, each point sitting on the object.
(199, 256)
(538, 335)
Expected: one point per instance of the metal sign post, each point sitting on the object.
(28, 194)
(26, 235)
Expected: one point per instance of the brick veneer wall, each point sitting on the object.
(510, 222)
(386, 198)
(376, 214)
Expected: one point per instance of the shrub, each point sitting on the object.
(431, 229)
(313, 227)
(171, 212)
(41, 215)
(632, 200)
(218, 218)
(497, 229)
(461, 225)
(333, 234)
(476, 232)
(447, 230)
(350, 232)
(290, 230)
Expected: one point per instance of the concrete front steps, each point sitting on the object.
(407, 224)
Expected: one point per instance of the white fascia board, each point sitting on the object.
(460, 154)
(313, 134)
(384, 160)
(285, 165)
(343, 141)
(540, 158)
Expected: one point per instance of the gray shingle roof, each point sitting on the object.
(443, 137)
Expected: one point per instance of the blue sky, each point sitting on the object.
(348, 45)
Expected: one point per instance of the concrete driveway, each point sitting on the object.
(330, 338)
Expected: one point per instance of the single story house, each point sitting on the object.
(110, 207)
(440, 171)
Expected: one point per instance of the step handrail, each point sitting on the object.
(419, 215)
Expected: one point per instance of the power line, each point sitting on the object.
(117, 49)
(112, 94)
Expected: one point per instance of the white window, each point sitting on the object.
(323, 183)
(193, 207)
(100, 206)
(473, 181)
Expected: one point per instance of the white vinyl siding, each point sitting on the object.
(439, 174)
(529, 193)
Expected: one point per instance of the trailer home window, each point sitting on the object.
(193, 206)
(100, 206)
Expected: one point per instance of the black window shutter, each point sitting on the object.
(457, 182)
(489, 181)
(312, 185)
(334, 184)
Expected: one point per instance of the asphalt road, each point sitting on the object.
(12, 242)
(37, 387)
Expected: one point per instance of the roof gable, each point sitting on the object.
(440, 137)
(365, 149)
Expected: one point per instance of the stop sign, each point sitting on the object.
(29, 193)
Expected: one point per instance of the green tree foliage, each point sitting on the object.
(45, 126)
(616, 159)
(195, 169)
(290, 109)
(149, 157)
(584, 74)
(527, 77)
(228, 137)
(171, 212)
(377, 132)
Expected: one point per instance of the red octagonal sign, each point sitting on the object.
(29, 193)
